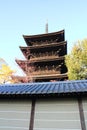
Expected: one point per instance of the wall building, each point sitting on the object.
(45, 55)
(58, 105)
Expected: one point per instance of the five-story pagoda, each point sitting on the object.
(45, 55)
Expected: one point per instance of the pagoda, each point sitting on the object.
(45, 56)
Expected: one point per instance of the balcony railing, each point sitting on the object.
(44, 42)
(45, 72)
(45, 55)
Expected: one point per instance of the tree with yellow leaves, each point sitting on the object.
(76, 61)
(6, 74)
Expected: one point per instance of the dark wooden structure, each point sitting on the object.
(45, 54)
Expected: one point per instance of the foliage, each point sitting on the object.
(5, 74)
(76, 61)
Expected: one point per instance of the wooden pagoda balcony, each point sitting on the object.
(50, 76)
(44, 56)
(29, 51)
(45, 72)
(47, 42)
(38, 46)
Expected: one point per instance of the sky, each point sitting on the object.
(29, 17)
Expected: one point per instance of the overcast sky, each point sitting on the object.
(29, 17)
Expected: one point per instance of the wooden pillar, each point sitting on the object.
(32, 115)
(81, 112)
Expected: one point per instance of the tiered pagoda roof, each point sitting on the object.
(45, 55)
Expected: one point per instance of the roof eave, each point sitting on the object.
(43, 35)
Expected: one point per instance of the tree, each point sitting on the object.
(76, 61)
(5, 74)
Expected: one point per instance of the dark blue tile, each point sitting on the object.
(45, 88)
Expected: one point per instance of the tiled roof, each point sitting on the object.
(45, 88)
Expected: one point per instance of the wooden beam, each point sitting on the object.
(32, 115)
(81, 112)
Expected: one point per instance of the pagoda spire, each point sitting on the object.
(46, 27)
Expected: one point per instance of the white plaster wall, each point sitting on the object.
(60, 114)
(85, 110)
(14, 115)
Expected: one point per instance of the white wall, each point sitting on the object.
(57, 115)
(85, 110)
(14, 115)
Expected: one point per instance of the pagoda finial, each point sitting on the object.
(47, 27)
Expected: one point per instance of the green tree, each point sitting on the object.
(76, 61)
